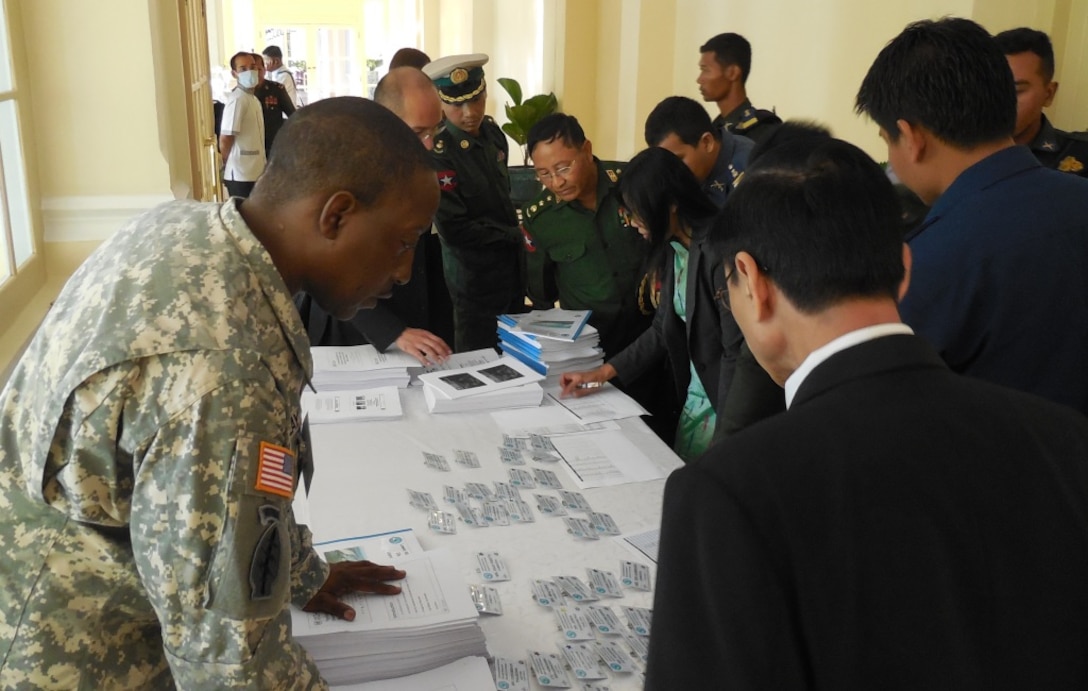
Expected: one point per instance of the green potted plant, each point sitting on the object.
(521, 116)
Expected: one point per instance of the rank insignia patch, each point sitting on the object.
(530, 244)
(276, 470)
(447, 180)
(1070, 165)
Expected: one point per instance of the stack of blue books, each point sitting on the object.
(551, 341)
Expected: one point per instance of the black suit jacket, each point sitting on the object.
(900, 527)
(709, 338)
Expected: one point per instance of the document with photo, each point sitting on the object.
(504, 373)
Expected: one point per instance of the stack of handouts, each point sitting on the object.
(349, 368)
(551, 341)
(432, 622)
(504, 383)
(352, 406)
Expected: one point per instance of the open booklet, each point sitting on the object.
(504, 373)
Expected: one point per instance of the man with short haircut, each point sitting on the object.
(943, 97)
(278, 72)
(1031, 59)
(276, 105)
(152, 437)
(405, 318)
(581, 248)
(899, 526)
(717, 158)
(476, 220)
(409, 57)
(724, 64)
(241, 132)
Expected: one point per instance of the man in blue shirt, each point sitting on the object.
(999, 287)
(680, 125)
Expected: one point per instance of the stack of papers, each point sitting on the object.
(432, 622)
(352, 406)
(467, 674)
(350, 368)
(504, 383)
(551, 341)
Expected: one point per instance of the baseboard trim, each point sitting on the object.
(92, 218)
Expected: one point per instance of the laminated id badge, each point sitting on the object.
(486, 599)
(549, 670)
(635, 575)
(574, 501)
(549, 506)
(575, 588)
(422, 500)
(604, 620)
(519, 477)
(618, 658)
(580, 527)
(573, 624)
(492, 567)
(583, 660)
(510, 674)
(547, 593)
(510, 456)
(436, 461)
(443, 522)
(520, 511)
(495, 512)
(468, 459)
(639, 618)
(478, 490)
(604, 583)
(604, 523)
(547, 479)
(454, 495)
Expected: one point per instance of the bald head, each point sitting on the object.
(411, 95)
(345, 143)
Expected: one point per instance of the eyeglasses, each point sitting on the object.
(722, 294)
(546, 177)
(438, 129)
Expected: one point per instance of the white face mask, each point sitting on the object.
(247, 79)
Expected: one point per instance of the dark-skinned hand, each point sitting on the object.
(348, 577)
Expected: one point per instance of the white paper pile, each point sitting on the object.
(470, 674)
(504, 383)
(432, 622)
(352, 406)
(346, 368)
(551, 341)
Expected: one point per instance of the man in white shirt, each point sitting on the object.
(277, 72)
(241, 134)
(900, 526)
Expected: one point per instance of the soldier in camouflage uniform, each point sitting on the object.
(581, 248)
(1031, 59)
(723, 71)
(481, 244)
(151, 439)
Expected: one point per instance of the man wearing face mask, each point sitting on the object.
(241, 138)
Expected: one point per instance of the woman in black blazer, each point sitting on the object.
(690, 327)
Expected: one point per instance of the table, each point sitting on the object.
(362, 474)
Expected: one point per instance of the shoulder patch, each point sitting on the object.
(276, 470)
(612, 175)
(1070, 165)
(447, 180)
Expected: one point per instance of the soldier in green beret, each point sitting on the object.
(481, 243)
(1031, 58)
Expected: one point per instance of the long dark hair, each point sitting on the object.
(651, 184)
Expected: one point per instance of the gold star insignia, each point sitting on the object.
(1070, 165)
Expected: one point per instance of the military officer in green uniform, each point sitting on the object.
(1031, 58)
(723, 70)
(580, 246)
(477, 222)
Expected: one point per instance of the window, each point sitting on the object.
(18, 243)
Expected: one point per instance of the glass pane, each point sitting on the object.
(338, 73)
(292, 41)
(5, 52)
(11, 151)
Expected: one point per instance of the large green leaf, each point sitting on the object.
(513, 88)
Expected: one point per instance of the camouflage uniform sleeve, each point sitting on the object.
(216, 545)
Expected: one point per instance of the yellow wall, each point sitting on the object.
(104, 119)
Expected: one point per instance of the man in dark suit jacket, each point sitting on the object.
(899, 526)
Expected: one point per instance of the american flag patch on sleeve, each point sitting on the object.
(276, 470)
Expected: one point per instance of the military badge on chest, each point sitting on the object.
(447, 180)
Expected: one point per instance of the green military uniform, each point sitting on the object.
(746, 119)
(588, 259)
(1064, 151)
(481, 245)
(150, 443)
